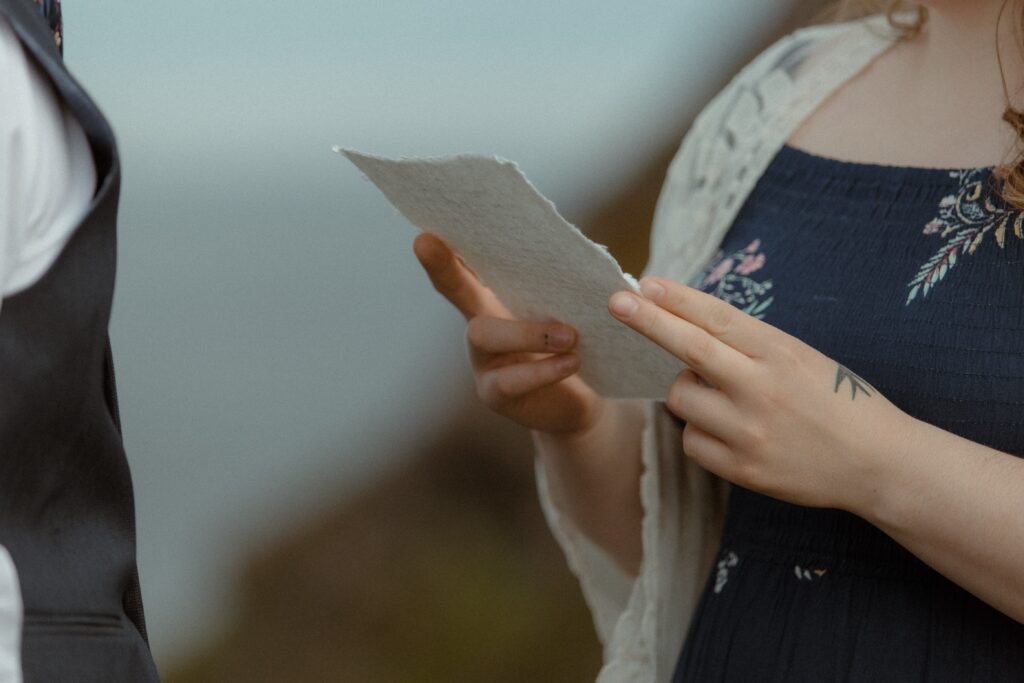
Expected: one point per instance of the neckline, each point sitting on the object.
(820, 164)
(874, 28)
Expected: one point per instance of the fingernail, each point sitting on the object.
(652, 290)
(560, 338)
(624, 304)
(566, 362)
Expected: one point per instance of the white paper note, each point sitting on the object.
(535, 262)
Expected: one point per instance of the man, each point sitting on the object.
(70, 606)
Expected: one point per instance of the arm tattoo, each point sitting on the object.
(856, 381)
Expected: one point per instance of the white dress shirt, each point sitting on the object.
(47, 174)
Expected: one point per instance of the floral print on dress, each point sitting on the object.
(728, 561)
(732, 279)
(808, 573)
(964, 219)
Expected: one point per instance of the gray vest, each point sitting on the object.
(66, 508)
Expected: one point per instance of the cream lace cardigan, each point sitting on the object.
(642, 622)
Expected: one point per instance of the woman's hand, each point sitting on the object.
(778, 416)
(524, 370)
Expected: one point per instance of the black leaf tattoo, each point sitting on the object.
(856, 381)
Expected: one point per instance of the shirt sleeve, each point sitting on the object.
(47, 174)
(642, 622)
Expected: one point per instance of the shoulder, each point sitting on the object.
(806, 58)
(761, 96)
(756, 100)
(734, 135)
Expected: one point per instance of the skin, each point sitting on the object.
(768, 412)
(589, 446)
(763, 409)
(524, 370)
(935, 101)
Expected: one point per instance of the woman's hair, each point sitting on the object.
(907, 18)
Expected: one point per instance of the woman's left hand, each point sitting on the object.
(778, 417)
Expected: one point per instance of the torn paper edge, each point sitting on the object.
(352, 155)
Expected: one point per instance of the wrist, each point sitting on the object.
(603, 419)
(888, 476)
(597, 414)
(612, 421)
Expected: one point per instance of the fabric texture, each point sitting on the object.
(642, 622)
(830, 252)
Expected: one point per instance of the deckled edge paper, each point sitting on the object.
(537, 263)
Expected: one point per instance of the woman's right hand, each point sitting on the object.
(524, 370)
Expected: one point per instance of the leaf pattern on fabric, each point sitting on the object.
(964, 219)
(808, 573)
(730, 278)
(728, 561)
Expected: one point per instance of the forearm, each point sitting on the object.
(959, 506)
(596, 477)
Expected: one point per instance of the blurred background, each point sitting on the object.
(319, 494)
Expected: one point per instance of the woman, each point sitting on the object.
(832, 488)
(70, 604)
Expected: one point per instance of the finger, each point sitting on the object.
(724, 321)
(452, 279)
(712, 358)
(704, 406)
(710, 452)
(511, 382)
(488, 335)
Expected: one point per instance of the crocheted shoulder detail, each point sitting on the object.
(735, 136)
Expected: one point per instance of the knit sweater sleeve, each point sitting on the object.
(642, 621)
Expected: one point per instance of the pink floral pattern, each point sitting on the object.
(731, 278)
(964, 219)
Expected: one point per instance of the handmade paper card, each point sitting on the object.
(538, 265)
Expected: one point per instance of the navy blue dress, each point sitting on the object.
(913, 278)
